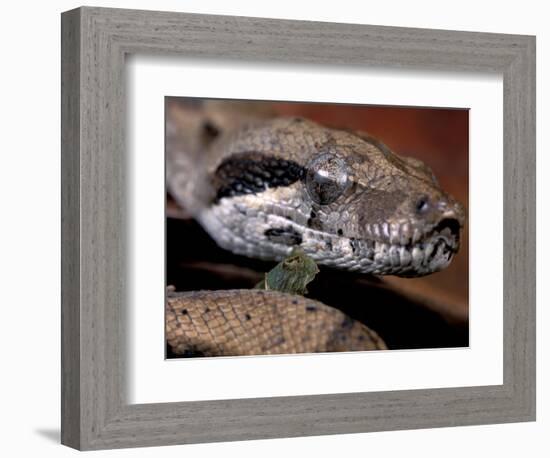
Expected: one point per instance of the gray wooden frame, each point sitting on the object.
(95, 41)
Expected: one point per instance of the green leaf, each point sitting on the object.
(291, 275)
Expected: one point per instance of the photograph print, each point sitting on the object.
(299, 228)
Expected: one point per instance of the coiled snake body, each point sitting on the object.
(263, 186)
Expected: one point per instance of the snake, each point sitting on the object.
(263, 185)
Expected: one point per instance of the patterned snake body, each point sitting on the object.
(263, 186)
(250, 322)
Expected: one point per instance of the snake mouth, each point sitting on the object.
(401, 249)
(448, 229)
(445, 235)
(430, 253)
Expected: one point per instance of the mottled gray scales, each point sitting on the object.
(253, 322)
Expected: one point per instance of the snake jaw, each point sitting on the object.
(401, 249)
(431, 253)
(415, 248)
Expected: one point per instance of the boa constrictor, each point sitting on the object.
(262, 186)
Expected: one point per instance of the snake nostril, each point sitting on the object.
(210, 129)
(423, 204)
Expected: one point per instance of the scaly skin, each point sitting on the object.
(255, 322)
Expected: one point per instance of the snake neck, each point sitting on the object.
(193, 126)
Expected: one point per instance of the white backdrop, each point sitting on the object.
(150, 79)
(29, 233)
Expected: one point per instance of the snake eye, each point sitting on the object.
(327, 178)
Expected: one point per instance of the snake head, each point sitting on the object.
(389, 209)
(344, 198)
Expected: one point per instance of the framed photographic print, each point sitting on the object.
(257, 157)
(285, 228)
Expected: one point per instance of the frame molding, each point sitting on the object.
(95, 41)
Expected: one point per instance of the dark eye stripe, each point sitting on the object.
(252, 172)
